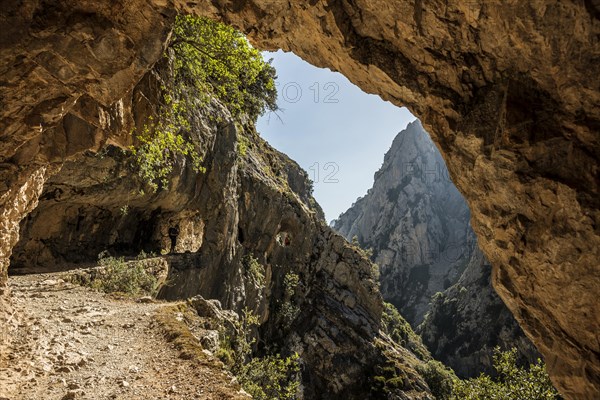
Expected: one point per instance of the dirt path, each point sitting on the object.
(75, 343)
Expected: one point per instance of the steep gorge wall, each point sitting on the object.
(417, 225)
(254, 202)
(466, 322)
(508, 91)
(415, 221)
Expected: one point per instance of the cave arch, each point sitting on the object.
(506, 90)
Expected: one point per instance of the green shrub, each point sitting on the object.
(254, 270)
(268, 377)
(271, 377)
(401, 332)
(236, 341)
(375, 272)
(160, 144)
(439, 378)
(143, 255)
(290, 283)
(117, 276)
(387, 378)
(243, 144)
(512, 382)
(288, 310)
(206, 59)
(225, 354)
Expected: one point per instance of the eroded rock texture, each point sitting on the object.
(415, 222)
(468, 320)
(64, 69)
(508, 90)
(417, 226)
(510, 95)
(312, 291)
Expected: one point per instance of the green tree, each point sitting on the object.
(271, 377)
(439, 378)
(217, 59)
(512, 382)
(206, 59)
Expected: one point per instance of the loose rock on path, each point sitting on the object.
(71, 342)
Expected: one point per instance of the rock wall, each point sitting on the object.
(468, 320)
(508, 91)
(65, 68)
(417, 225)
(248, 203)
(415, 222)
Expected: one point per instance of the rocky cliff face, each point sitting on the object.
(311, 290)
(417, 225)
(415, 222)
(468, 320)
(507, 91)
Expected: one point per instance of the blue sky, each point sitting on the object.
(335, 131)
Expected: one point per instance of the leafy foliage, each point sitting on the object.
(160, 143)
(288, 311)
(119, 276)
(268, 377)
(401, 332)
(271, 377)
(375, 272)
(512, 383)
(242, 145)
(236, 341)
(290, 282)
(439, 378)
(215, 58)
(254, 269)
(206, 59)
(388, 378)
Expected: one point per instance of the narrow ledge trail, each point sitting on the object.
(71, 342)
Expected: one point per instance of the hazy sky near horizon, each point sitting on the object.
(334, 130)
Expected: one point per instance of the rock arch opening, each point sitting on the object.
(454, 64)
(457, 77)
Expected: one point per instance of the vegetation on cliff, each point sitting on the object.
(266, 377)
(216, 59)
(206, 59)
(401, 332)
(511, 383)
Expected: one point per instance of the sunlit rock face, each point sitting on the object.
(416, 224)
(65, 68)
(206, 225)
(508, 91)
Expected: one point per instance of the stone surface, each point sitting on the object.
(417, 226)
(468, 320)
(312, 292)
(105, 343)
(415, 222)
(508, 90)
(509, 94)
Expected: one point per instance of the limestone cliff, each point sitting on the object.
(250, 201)
(508, 90)
(415, 222)
(468, 320)
(417, 225)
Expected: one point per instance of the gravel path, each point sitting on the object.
(74, 343)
